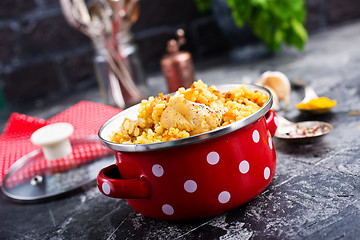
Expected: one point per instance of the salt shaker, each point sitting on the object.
(177, 66)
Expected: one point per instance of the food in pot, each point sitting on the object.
(193, 117)
(188, 112)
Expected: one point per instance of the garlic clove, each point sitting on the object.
(278, 82)
(276, 104)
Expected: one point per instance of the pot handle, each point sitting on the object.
(271, 121)
(110, 184)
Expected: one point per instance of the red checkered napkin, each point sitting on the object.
(86, 117)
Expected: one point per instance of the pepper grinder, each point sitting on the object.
(177, 66)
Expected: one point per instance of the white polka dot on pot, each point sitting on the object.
(106, 188)
(213, 158)
(270, 143)
(157, 170)
(276, 121)
(266, 173)
(244, 166)
(224, 197)
(190, 186)
(168, 209)
(256, 136)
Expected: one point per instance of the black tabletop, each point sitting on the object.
(315, 193)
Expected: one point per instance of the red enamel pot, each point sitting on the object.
(195, 177)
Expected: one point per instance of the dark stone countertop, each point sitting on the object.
(315, 193)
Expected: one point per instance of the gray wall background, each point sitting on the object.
(42, 56)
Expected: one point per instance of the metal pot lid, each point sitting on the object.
(114, 123)
(33, 178)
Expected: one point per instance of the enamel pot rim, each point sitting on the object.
(115, 122)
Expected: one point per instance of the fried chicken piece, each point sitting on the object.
(195, 118)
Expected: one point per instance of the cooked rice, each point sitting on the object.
(240, 102)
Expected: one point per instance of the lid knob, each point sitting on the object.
(54, 140)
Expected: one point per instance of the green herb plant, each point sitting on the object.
(273, 21)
